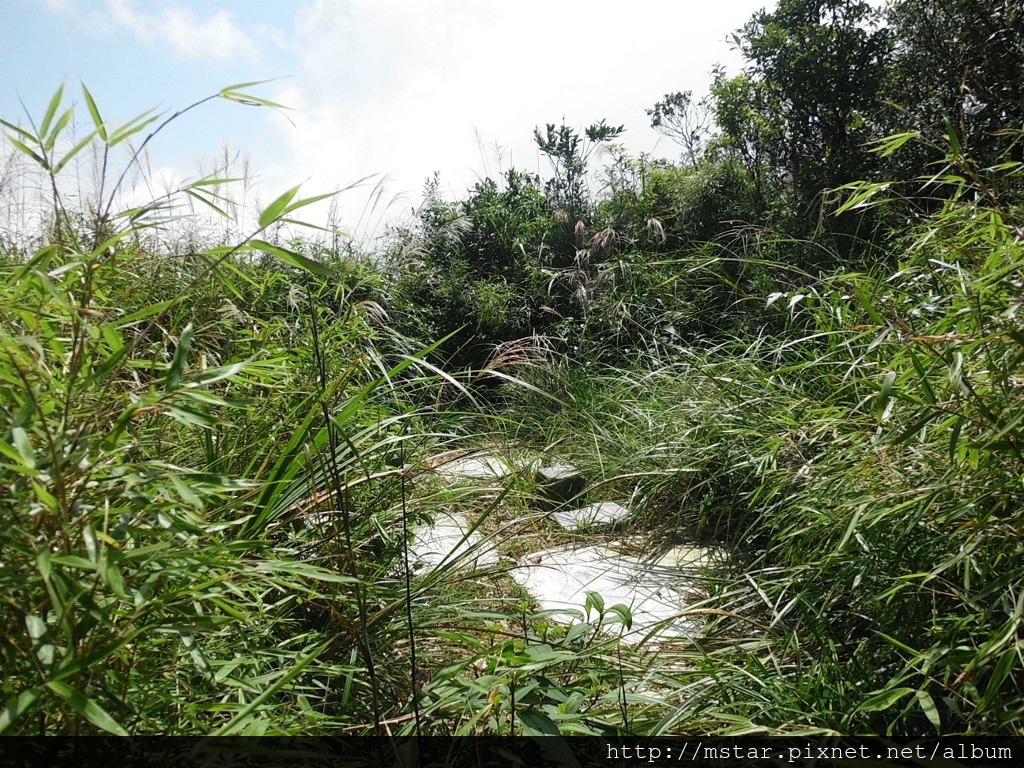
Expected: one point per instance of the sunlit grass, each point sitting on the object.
(211, 465)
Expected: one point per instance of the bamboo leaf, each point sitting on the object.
(216, 208)
(142, 314)
(890, 144)
(74, 151)
(62, 122)
(954, 141)
(24, 447)
(180, 359)
(884, 392)
(869, 307)
(927, 704)
(622, 611)
(238, 721)
(233, 93)
(882, 701)
(16, 707)
(291, 257)
(21, 147)
(191, 417)
(87, 708)
(1000, 673)
(51, 110)
(27, 136)
(277, 208)
(537, 723)
(94, 112)
(133, 126)
(306, 201)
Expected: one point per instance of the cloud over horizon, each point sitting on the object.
(216, 37)
(404, 90)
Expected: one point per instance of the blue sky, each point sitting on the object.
(386, 88)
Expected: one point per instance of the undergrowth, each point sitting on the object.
(212, 459)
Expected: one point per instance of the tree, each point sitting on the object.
(957, 65)
(568, 153)
(818, 66)
(677, 117)
(751, 130)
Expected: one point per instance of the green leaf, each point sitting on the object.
(97, 121)
(112, 576)
(954, 140)
(303, 570)
(62, 123)
(16, 707)
(239, 720)
(25, 135)
(927, 704)
(954, 440)
(232, 93)
(87, 708)
(277, 208)
(537, 723)
(51, 110)
(180, 359)
(869, 307)
(216, 374)
(922, 376)
(8, 450)
(999, 675)
(73, 151)
(295, 259)
(284, 205)
(883, 394)
(622, 611)
(24, 446)
(202, 199)
(191, 417)
(28, 151)
(890, 144)
(882, 701)
(142, 314)
(133, 126)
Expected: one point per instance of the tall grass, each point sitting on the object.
(211, 462)
(155, 422)
(209, 473)
(861, 463)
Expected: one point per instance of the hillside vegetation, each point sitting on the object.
(801, 343)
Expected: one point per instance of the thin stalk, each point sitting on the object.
(408, 593)
(341, 493)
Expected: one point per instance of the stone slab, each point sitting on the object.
(601, 513)
(472, 467)
(448, 540)
(657, 594)
(559, 482)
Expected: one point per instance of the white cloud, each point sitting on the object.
(404, 89)
(215, 37)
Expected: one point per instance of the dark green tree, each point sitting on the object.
(958, 66)
(816, 70)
